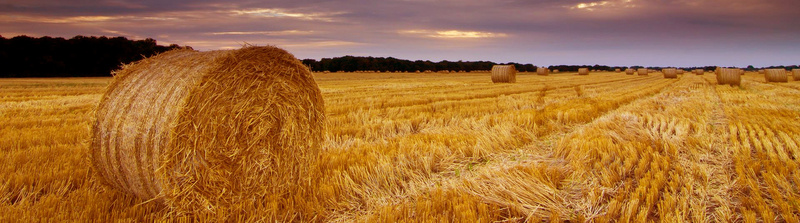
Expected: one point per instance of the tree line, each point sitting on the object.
(390, 64)
(80, 56)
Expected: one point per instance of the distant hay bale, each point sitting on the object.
(327, 72)
(699, 71)
(555, 70)
(504, 74)
(617, 70)
(642, 71)
(776, 75)
(629, 71)
(670, 73)
(729, 76)
(761, 71)
(206, 131)
(681, 71)
(796, 74)
(583, 71)
(428, 71)
(542, 71)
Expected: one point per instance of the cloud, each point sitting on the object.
(78, 19)
(266, 33)
(284, 13)
(453, 34)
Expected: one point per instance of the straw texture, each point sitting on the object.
(776, 75)
(729, 76)
(204, 131)
(542, 71)
(504, 74)
(583, 71)
(643, 71)
(796, 74)
(670, 73)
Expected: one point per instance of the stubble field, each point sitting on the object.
(456, 147)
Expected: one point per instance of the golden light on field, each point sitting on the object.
(455, 147)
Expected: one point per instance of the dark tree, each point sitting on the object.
(24, 56)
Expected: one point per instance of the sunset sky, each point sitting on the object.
(541, 32)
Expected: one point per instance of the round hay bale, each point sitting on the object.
(681, 71)
(210, 131)
(776, 75)
(699, 71)
(583, 71)
(629, 71)
(504, 74)
(796, 74)
(555, 70)
(670, 73)
(617, 70)
(542, 71)
(729, 76)
(642, 71)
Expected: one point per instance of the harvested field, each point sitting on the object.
(457, 148)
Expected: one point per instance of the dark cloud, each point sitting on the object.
(614, 32)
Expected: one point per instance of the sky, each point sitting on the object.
(541, 32)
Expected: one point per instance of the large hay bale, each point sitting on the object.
(210, 131)
(670, 73)
(504, 74)
(776, 75)
(728, 76)
(629, 71)
(796, 74)
(642, 71)
(583, 71)
(542, 71)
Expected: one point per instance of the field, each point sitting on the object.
(455, 147)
